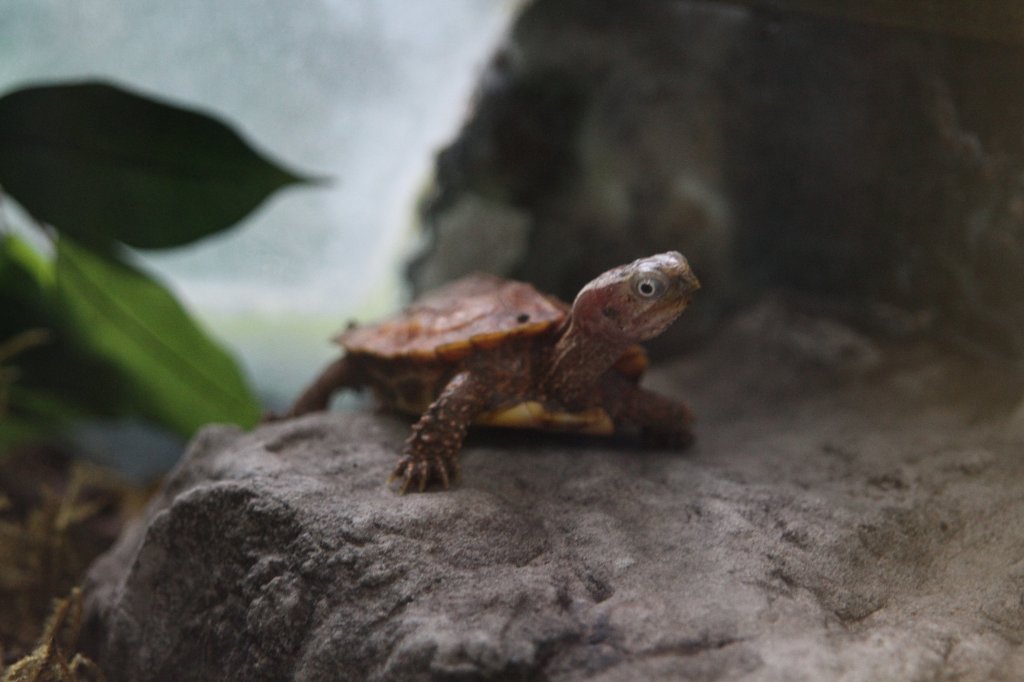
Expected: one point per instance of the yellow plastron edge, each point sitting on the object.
(532, 415)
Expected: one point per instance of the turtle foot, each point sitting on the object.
(416, 473)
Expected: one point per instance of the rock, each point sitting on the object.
(467, 249)
(835, 520)
(773, 148)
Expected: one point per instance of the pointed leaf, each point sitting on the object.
(179, 376)
(102, 164)
(46, 376)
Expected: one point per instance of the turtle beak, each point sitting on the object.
(690, 283)
(686, 280)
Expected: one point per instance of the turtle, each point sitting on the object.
(498, 352)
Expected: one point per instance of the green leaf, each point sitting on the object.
(104, 165)
(179, 376)
(46, 377)
(18, 256)
(32, 415)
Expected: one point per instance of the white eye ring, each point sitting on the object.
(650, 285)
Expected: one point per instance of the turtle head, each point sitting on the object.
(626, 305)
(635, 302)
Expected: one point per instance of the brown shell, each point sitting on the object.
(476, 312)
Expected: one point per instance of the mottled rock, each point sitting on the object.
(851, 515)
(773, 148)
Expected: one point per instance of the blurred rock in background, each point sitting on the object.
(862, 162)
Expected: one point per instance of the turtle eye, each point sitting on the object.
(650, 285)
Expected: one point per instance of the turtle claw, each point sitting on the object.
(422, 471)
(422, 474)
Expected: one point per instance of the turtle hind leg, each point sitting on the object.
(663, 421)
(342, 373)
(432, 451)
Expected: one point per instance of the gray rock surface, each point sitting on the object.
(851, 511)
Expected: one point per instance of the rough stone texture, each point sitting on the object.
(851, 511)
(771, 148)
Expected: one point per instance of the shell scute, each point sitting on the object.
(476, 312)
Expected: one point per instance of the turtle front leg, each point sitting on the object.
(663, 421)
(432, 451)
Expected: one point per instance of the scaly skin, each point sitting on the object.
(432, 450)
(568, 368)
(662, 421)
(342, 373)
